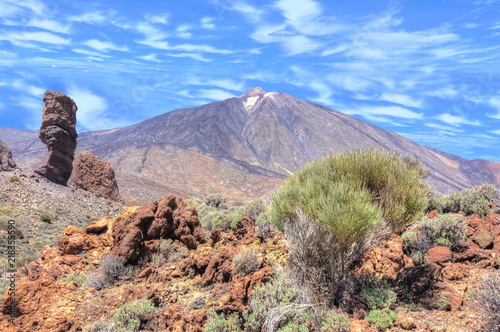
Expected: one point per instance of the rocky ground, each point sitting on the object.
(183, 271)
(42, 210)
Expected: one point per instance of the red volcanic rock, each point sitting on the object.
(6, 161)
(59, 134)
(96, 176)
(170, 219)
(483, 239)
(439, 255)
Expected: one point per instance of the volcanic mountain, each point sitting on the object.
(242, 148)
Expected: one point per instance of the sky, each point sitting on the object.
(428, 69)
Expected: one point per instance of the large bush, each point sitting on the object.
(334, 209)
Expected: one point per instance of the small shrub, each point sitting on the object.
(14, 179)
(488, 295)
(442, 303)
(221, 323)
(45, 217)
(266, 298)
(475, 200)
(100, 326)
(294, 327)
(335, 322)
(78, 279)
(156, 260)
(448, 229)
(377, 293)
(130, 314)
(382, 319)
(246, 262)
(109, 270)
(216, 201)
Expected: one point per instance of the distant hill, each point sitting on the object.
(242, 148)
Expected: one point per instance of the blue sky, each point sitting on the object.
(428, 70)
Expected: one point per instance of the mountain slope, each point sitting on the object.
(242, 148)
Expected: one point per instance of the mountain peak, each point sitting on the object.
(251, 97)
(252, 92)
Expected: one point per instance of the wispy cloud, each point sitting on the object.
(93, 18)
(393, 111)
(158, 18)
(456, 120)
(104, 46)
(214, 94)
(51, 25)
(19, 38)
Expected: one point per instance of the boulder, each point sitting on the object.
(96, 176)
(59, 134)
(483, 239)
(6, 161)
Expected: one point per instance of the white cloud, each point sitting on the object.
(194, 56)
(149, 57)
(394, 111)
(444, 93)
(227, 84)
(471, 25)
(158, 18)
(183, 47)
(496, 132)
(93, 18)
(206, 23)
(494, 102)
(215, 94)
(7, 55)
(92, 109)
(90, 53)
(17, 38)
(104, 46)
(253, 14)
(401, 99)
(456, 120)
(30, 89)
(50, 25)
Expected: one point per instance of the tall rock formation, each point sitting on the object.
(96, 176)
(59, 134)
(6, 161)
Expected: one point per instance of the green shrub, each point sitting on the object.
(45, 217)
(377, 293)
(14, 179)
(221, 323)
(442, 303)
(78, 279)
(130, 314)
(266, 298)
(488, 295)
(294, 327)
(475, 200)
(448, 229)
(335, 322)
(331, 210)
(216, 201)
(382, 319)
